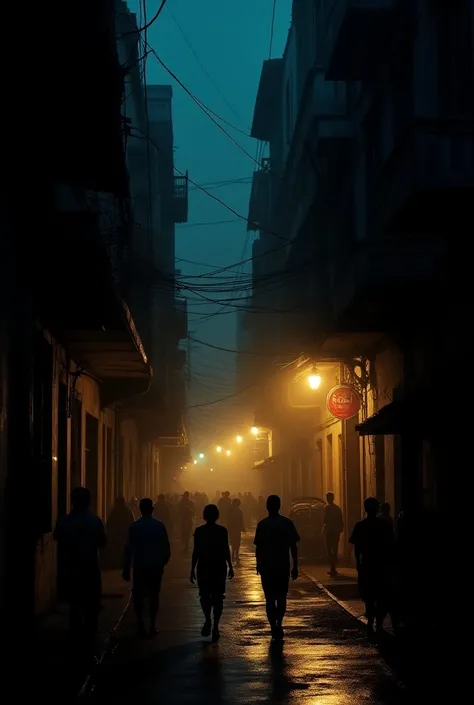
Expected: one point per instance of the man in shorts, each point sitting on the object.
(275, 538)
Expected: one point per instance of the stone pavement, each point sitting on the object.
(324, 660)
(57, 676)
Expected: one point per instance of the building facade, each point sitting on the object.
(79, 311)
(368, 172)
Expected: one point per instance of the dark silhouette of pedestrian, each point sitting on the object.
(333, 527)
(119, 521)
(163, 511)
(80, 534)
(385, 514)
(148, 551)
(211, 555)
(235, 528)
(373, 543)
(275, 538)
(224, 506)
(186, 513)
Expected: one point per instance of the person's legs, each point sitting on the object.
(75, 621)
(238, 541)
(91, 624)
(138, 596)
(332, 548)
(154, 596)
(217, 608)
(206, 605)
(280, 609)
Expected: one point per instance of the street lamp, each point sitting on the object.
(239, 439)
(254, 431)
(314, 380)
(219, 449)
(228, 452)
(195, 462)
(201, 455)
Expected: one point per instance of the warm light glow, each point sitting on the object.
(212, 469)
(314, 381)
(254, 430)
(239, 439)
(228, 452)
(201, 455)
(219, 449)
(195, 462)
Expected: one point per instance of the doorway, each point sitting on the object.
(62, 450)
(92, 459)
(76, 443)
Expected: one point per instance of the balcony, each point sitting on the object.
(260, 198)
(181, 318)
(381, 280)
(180, 199)
(427, 183)
(355, 37)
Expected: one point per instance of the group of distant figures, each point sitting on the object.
(81, 535)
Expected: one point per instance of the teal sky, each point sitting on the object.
(231, 39)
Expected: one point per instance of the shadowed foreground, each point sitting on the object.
(324, 659)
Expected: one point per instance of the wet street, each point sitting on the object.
(325, 658)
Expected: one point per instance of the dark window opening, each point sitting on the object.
(62, 450)
(43, 432)
(92, 459)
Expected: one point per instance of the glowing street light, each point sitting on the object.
(219, 449)
(314, 381)
(201, 455)
(254, 431)
(195, 462)
(239, 439)
(228, 452)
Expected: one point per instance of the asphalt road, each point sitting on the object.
(325, 658)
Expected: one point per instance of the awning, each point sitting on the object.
(80, 303)
(266, 463)
(415, 416)
(388, 421)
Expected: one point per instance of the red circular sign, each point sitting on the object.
(343, 402)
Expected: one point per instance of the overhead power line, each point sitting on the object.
(206, 72)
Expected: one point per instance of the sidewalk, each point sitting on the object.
(57, 677)
(343, 588)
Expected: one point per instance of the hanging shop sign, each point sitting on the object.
(343, 402)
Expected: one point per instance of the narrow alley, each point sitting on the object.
(324, 659)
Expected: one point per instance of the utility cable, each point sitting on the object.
(205, 71)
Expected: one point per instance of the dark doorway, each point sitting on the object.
(92, 459)
(76, 443)
(62, 450)
(110, 471)
(43, 432)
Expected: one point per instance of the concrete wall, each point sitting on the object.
(125, 464)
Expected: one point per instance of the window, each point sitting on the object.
(43, 432)
(288, 115)
(329, 465)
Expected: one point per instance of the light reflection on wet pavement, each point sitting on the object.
(324, 660)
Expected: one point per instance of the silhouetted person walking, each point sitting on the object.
(224, 506)
(385, 515)
(119, 521)
(373, 547)
(163, 512)
(333, 528)
(148, 551)
(186, 512)
(275, 538)
(235, 528)
(211, 555)
(80, 534)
